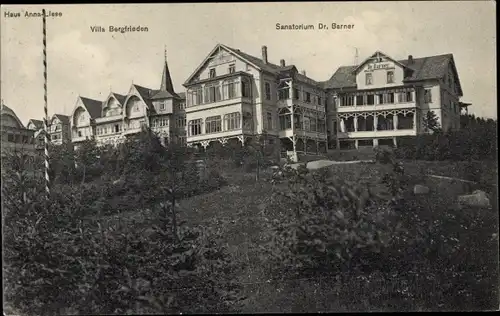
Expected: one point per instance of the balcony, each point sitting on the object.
(301, 133)
(376, 107)
(107, 119)
(309, 105)
(219, 92)
(378, 133)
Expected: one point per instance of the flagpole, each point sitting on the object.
(46, 118)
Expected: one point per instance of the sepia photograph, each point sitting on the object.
(249, 157)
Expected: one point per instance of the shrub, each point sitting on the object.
(327, 225)
(58, 261)
(383, 155)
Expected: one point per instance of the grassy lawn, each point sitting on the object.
(239, 211)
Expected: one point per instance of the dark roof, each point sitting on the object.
(432, 67)
(120, 97)
(63, 118)
(425, 68)
(273, 68)
(146, 93)
(94, 107)
(166, 80)
(38, 123)
(182, 95)
(164, 95)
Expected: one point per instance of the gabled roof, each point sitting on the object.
(8, 111)
(37, 123)
(93, 107)
(259, 63)
(63, 118)
(119, 97)
(146, 93)
(374, 55)
(425, 68)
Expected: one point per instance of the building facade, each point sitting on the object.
(382, 99)
(234, 96)
(15, 137)
(111, 121)
(39, 133)
(59, 129)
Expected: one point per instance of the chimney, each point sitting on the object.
(264, 54)
(282, 63)
(410, 59)
(304, 72)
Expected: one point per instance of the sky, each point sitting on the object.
(91, 64)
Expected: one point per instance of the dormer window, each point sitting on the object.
(162, 105)
(212, 73)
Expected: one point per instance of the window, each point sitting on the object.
(212, 73)
(308, 97)
(160, 122)
(162, 105)
(212, 93)
(427, 96)
(195, 127)
(370, 99)
(232, 69)
(347, 100)
(181, 122)
(269, 119)
(369, 79)
(182, 106)
(285, 122)
(79, 133)
(229, 89)
(26, 139)
(404, 97)
(388, 98)
(245, 88)
(232, 121)
(360, 100)
(390, 77)
(196, 96)
(213, 124)
(319, 100)
(11, 138)
(284, 94)
(295, 93)
(117, 128)
(268, 90)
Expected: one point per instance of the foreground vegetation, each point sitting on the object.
(151, 236)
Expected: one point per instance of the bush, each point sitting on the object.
(327, 225)
(58, 261)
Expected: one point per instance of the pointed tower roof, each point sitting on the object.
(166, 80)
(166, 88)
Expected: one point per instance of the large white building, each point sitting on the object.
(118, 116)
(381, 99)
(233, 96)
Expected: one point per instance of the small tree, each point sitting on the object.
(431, 122)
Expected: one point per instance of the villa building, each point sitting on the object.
(382, 99)
(59, 129)
(234, 96)
(111, 121)
(15, 137)
(39, 133)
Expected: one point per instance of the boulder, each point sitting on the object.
(478, 198)
(419, 189)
